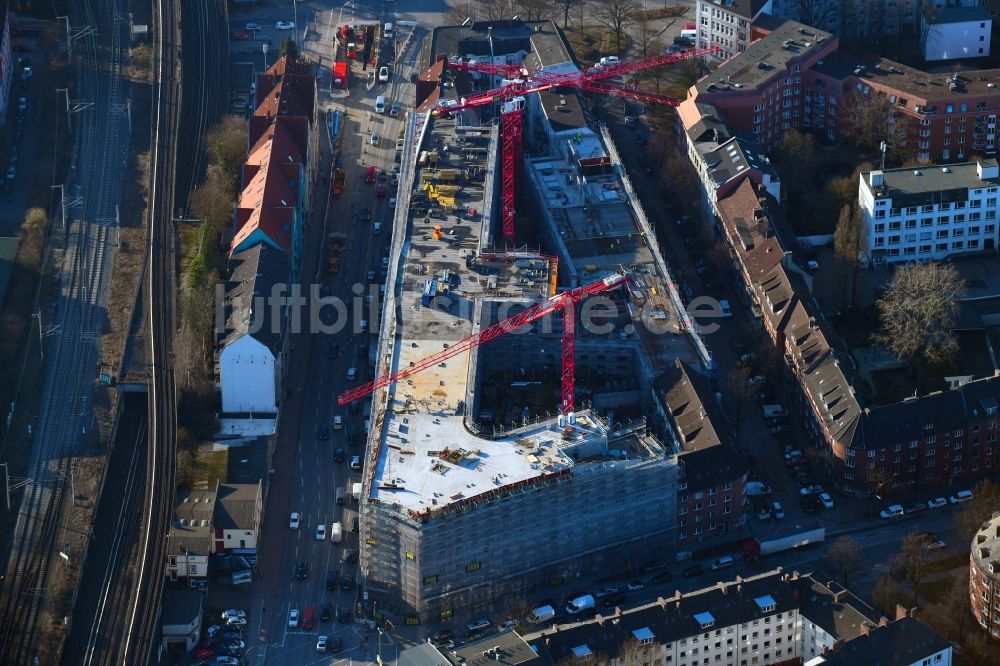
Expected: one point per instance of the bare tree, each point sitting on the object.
(823, 14)
(634, 653)
(887, 594)
(845, 557)
(533, 10)
(795, 149)
(566, 6)
(227, 146)
(616, 15)
(918, 310)
(985, 500)
(849, 240)
(872, 119)
(913, 560)
(948, 616)
(647, 36)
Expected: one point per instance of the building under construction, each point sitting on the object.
(474, 497)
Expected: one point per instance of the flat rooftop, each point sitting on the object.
(927, 179)
(932, 86)
(767, 57)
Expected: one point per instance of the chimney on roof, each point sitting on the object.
(865, 628)
(758, 214)
(662, 602)
(786, 259)
(902, 611)
(839, 595)
(883, 621)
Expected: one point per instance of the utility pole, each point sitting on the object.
(69, 124)
(69, 38)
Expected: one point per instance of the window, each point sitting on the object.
(473, 566)
(430, 579)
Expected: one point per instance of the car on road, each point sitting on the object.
(252, 27)
(325, 612)
(347, 582)
(332, 576)
(826, 500)
(321, 644)
(236, 646)
(394, 110)
(936, 503)
(383, 74)
(301, 570)
(241, 36)
(478, 625)
(662, 577)
(356, 463)
(352, 374)
(236, 622)
(293, 521)
(892, 511)
(960, 496)
(916, 507)
(321, 532)
(350, 556)
(694, 570)
(777, 510)
(338, 455)
(293, 619)
(233, 612)
(442, 636)
(308, 618)
(284, 25)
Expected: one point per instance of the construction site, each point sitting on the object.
(495, 398)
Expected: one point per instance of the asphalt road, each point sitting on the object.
(306, 478)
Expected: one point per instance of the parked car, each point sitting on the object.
(293, 619)
(233, 612)
(892, 511)
(321, 644)
(325, 612)
(811, 490)
(937, 502)
(694, 570)
(779, 512)
(960, 496)
(284, 25)
(346, 582)
(916, 507)
(212, 630)
(826, 500)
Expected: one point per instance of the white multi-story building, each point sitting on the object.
(929, 213)
(949, 33)
(726, 24)
(772, 618)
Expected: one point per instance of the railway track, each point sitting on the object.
(141, 625)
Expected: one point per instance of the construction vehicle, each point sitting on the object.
(797, 537)
(338, 241)
(339, 180)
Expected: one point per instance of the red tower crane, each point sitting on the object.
(521, 81)
(565, 301)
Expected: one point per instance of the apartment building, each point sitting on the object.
(984, 576)
(760, 91)
(950, 33)
(726, 24)
(794, 78)
(771, 618)
(711, 500)
(929, 213)
(934, 439)
(189, 539)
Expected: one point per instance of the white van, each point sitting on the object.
(380, 104)
(356, 492)
(337, 533)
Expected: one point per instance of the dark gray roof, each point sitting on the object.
(836, 65)
(925, 180)
(766, 58)
(710, 467)
(547, 46)
(735, 157)
(474, 39)
(513, 651)
(901, 643)
(956, 14)
(191, 528)
(563, 110)
(837, 611)
(252, 275)
(236, 506)
(422, 654)
(675, 618)
(711, 126)
(181, 606)
(691, 406)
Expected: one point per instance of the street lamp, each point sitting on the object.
(264, 47)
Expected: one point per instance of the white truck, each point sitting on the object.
(337, 533)
(356, 491)
(796, 537)
(581, 604)
(541, 614)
